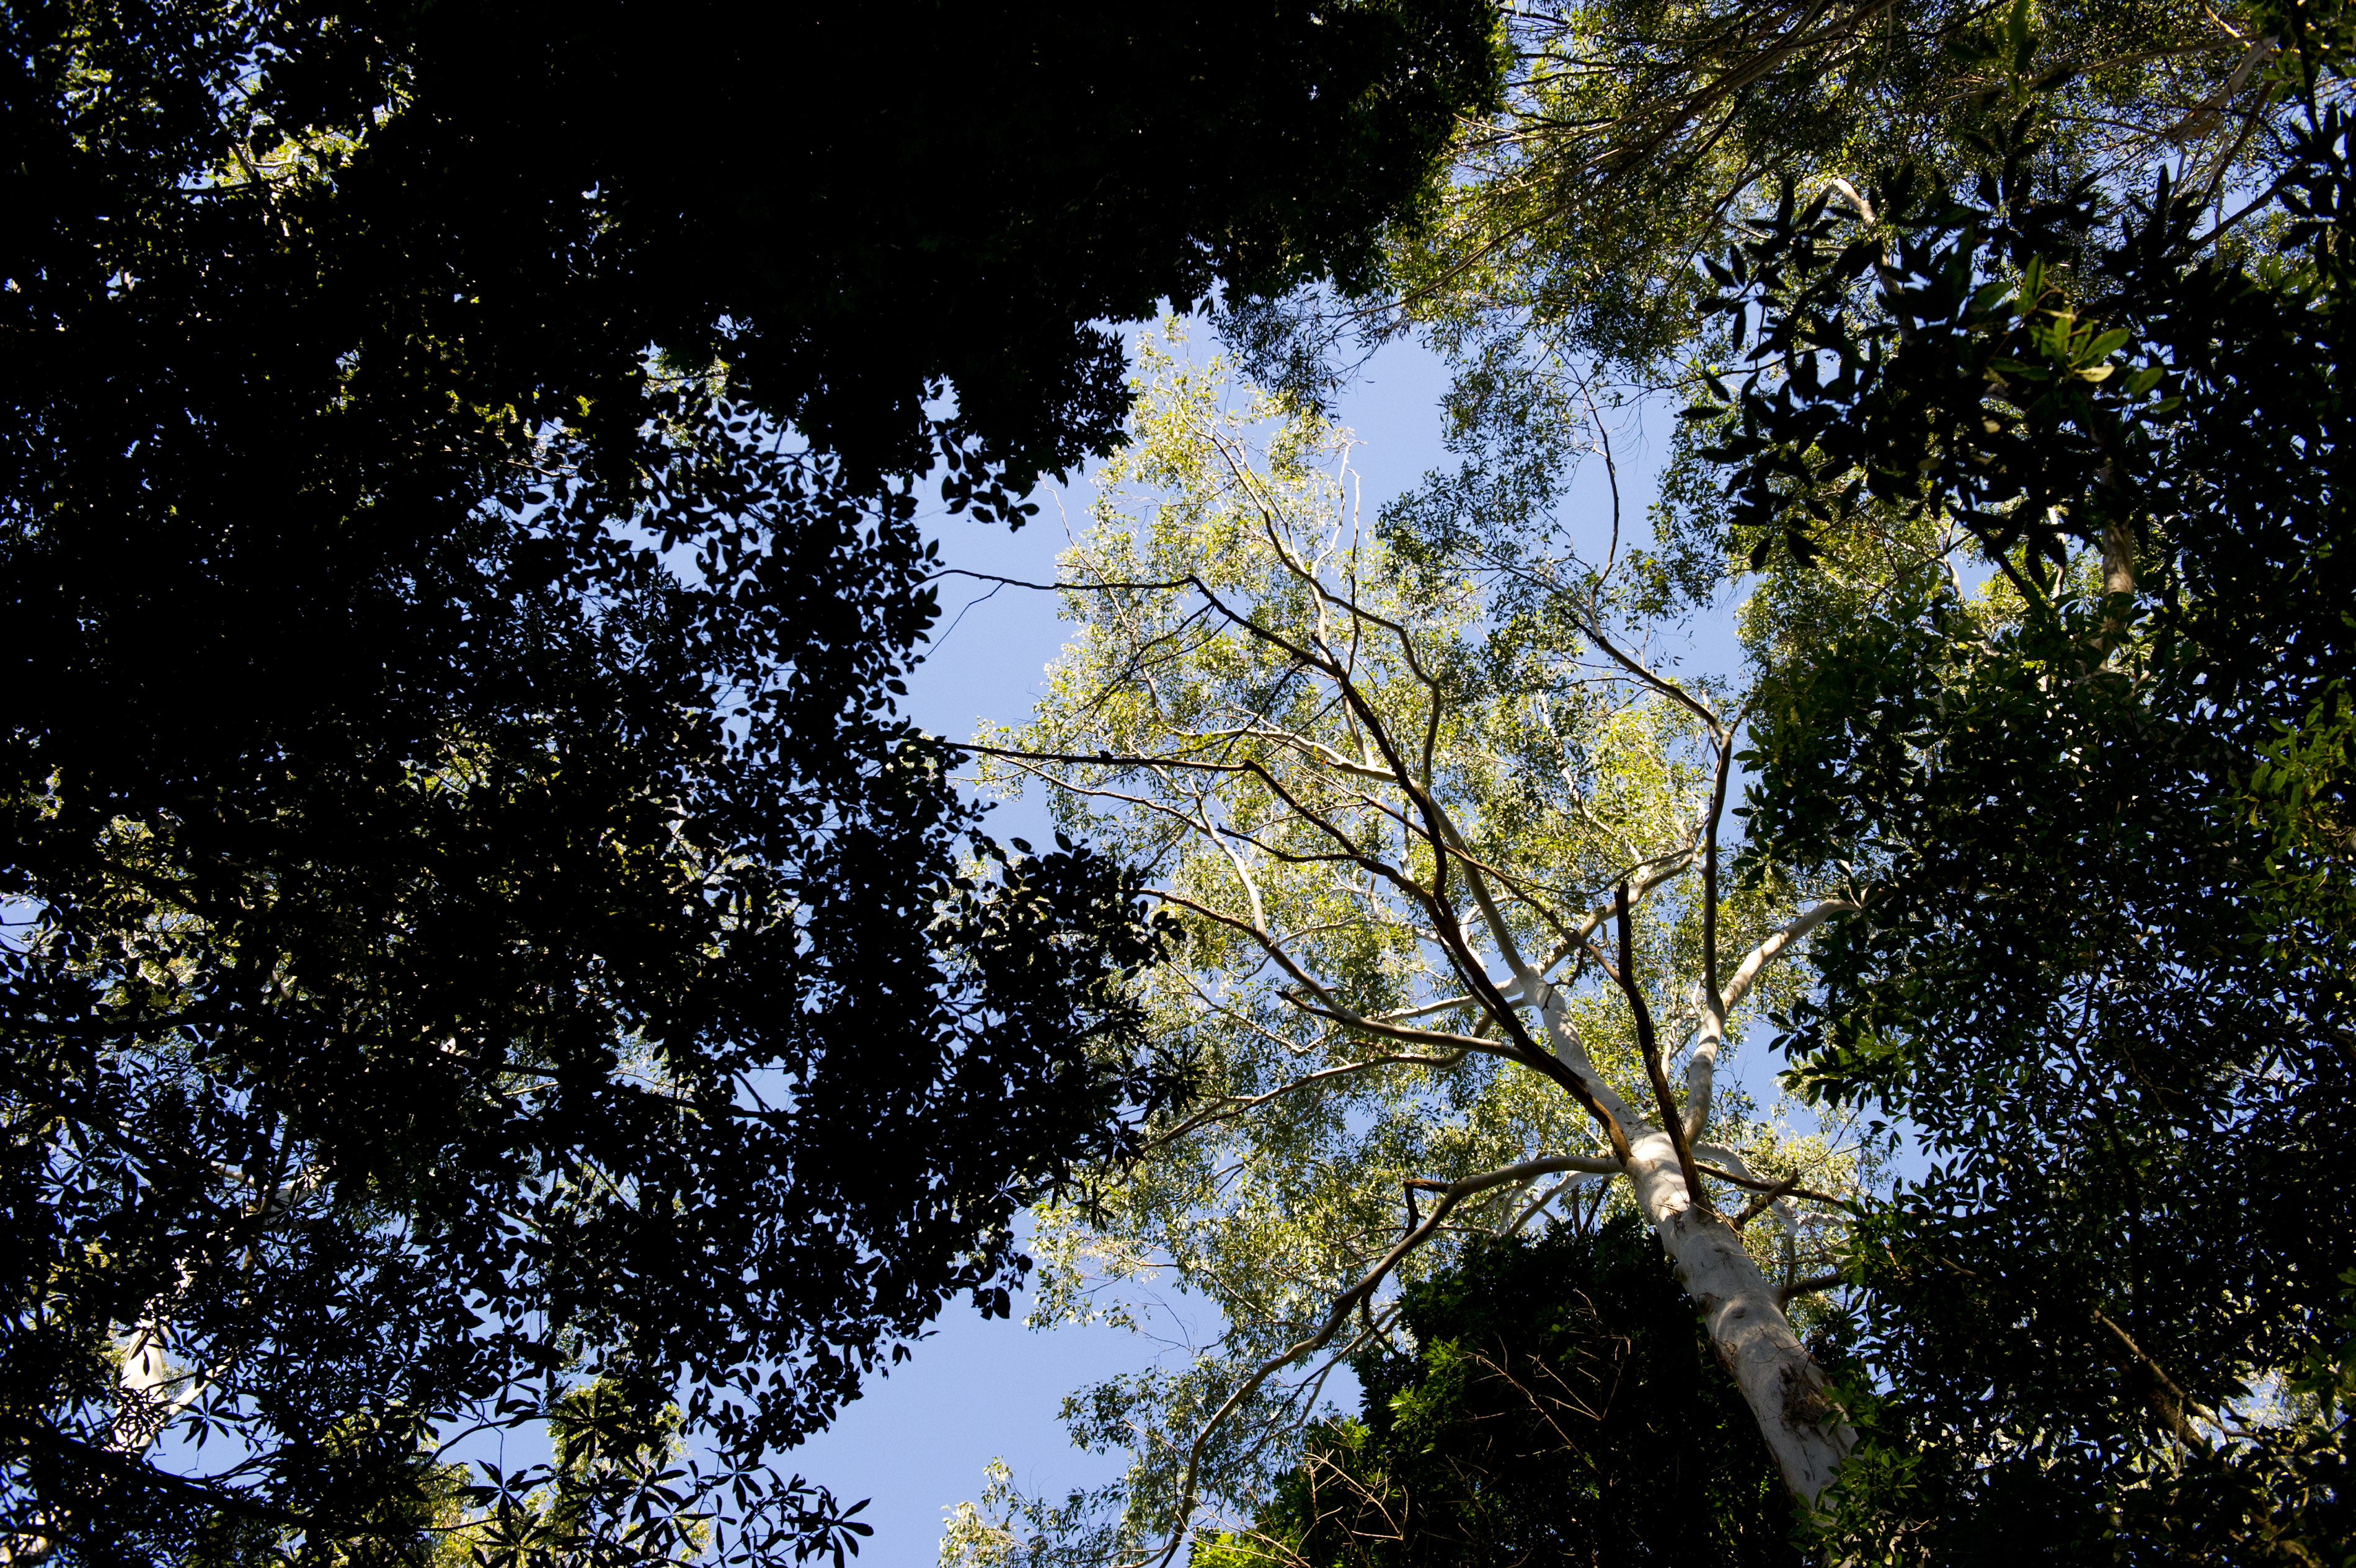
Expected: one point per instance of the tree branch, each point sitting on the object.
(1649, 1044)
(1798, 1288)
(1701, 1070)
(1450, 1196)
(1761, 1204)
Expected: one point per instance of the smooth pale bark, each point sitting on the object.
(1701, 1071)
(1742, 1311)
(1744, 1314)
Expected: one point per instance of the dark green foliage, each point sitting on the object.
(2119, 1057)
(1561, 1406)
(499, 206)
(477, 922)
(2104, 970)
(577, 979)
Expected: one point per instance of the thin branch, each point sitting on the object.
(1765, 1201)
(1449, 1197)
(1701, 1070)
(1711, 997)
(1755, 1185)
(1230, 1108)
(1798, 1288)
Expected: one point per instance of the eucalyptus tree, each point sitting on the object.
(1446, 860)
(2094, 814)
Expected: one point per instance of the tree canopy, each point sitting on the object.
(489, 954)
(2106, 971)
(1443, 847)
(2025, 483)
(1561, 258)
(500, 208)
(609, 1002)
(483, 948)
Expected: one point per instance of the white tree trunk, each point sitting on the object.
(1744, 1314)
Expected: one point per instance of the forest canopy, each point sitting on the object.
(484, 949)
(2009, 343)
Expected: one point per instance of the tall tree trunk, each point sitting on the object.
(1744, 1314)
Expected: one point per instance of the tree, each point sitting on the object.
(2102, 963)
(1443, 849)
(604, 1001)
(1558, 274)
(2091, 818)
(1560, 1404)
(474, 881)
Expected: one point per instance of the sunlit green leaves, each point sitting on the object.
(1312, 730)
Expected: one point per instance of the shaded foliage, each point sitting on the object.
(2120, 1063)
(478, 923)
(2105, 967)
(1630, 132)
(496, 208)
(594, 992)
(1560, 1405)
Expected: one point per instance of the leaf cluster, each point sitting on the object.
(483, 215)
(2102, 974)
(584, 984)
